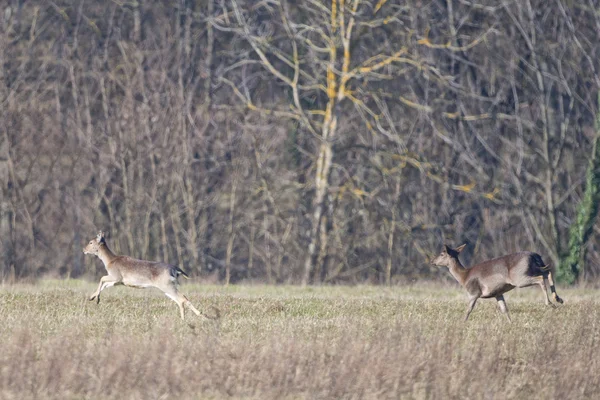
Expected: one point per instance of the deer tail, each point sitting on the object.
(179, 271)
(545, 268)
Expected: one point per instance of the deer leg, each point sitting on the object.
(472, 302)
(96, 294)
(105, 281)
(182, 301)
(542, 284)
(190, 305)
(181, 311)
(553, 289)
(176, 297)
(104, 286)
(502, 305)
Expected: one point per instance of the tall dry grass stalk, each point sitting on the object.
(312, 343)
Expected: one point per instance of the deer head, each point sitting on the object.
(94, 245)
(445, 258)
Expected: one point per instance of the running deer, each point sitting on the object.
(123, 270)
(495, 277)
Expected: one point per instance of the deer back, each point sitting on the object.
(512, 268)
(141, 272)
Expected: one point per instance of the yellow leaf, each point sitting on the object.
(492, 195)
(359, 192)
(466, 188)
(379, 5)
(425, 40)
(451, 115)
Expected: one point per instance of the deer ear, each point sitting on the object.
(460, 248)
(447, 249)
(100, 237)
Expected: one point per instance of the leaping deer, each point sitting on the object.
(123, 270)
(495, 277)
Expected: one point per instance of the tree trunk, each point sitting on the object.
(321, 186)
(231, 233)
(388, 266)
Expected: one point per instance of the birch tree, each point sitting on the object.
(329, 58)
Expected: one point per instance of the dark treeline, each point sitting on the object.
(295, 141)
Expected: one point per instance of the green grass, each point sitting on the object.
(292, 342)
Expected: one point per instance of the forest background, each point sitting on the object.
(299, 141)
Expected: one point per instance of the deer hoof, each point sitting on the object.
(558, 299)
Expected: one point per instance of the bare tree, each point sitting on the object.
(298, 142)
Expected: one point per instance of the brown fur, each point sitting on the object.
(493, 278)
(124, 270)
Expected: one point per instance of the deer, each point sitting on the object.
(124, 270)
(493, 278)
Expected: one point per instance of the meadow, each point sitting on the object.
(288, 342)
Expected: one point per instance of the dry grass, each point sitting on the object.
(289, 343)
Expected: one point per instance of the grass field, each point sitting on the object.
(285, 342)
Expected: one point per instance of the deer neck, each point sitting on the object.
(458, 271)
(106, 255)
